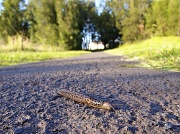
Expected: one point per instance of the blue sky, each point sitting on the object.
(26, 1)
(99, 4)
(0, 4)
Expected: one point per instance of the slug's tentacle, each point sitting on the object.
(85, 99)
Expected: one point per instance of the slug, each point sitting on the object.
(80, 98)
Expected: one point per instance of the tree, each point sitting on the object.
(130, 19)
(173, 12)
(150, 18)
(12, 19)
(69, 24)
(58, 22)
(130, 23)
(160, 12)
(106, 27)
(43, 21)
(164, 18)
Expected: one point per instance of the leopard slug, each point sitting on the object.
(85, 99)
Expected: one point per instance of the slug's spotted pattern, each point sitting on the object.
(85, 99)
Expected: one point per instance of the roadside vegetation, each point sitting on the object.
(47, 29)
(157, 52)
(12, 58)
(12, 55)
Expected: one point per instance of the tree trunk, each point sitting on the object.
(13, 39)
(22, 45)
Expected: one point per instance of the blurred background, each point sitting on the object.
(70, 24)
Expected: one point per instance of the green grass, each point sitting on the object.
(12, 54)
(157, 52)
(13, 58)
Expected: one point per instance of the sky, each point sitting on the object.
(26, 1)
(99, 4)
(0, 4)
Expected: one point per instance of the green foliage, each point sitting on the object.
(54, 22)
(12, 19)
(61, 22)
(106, 27)
(58, 23)
(163, 18)
(169, 58)
(174, 17)
(139, 19)
(158, 52)
(45, 29)
(130, 18)
(17, 57)
(13, 22)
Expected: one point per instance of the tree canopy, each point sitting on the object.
(61, 22)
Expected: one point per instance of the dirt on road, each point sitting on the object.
(145, 100)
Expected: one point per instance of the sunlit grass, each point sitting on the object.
(157, 52)
(12, 58)
(12, 54)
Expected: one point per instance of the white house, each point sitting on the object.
(93, 46)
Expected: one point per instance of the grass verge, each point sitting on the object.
(8, 58)
(157, 52)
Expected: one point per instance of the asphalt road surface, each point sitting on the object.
(145, 100)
